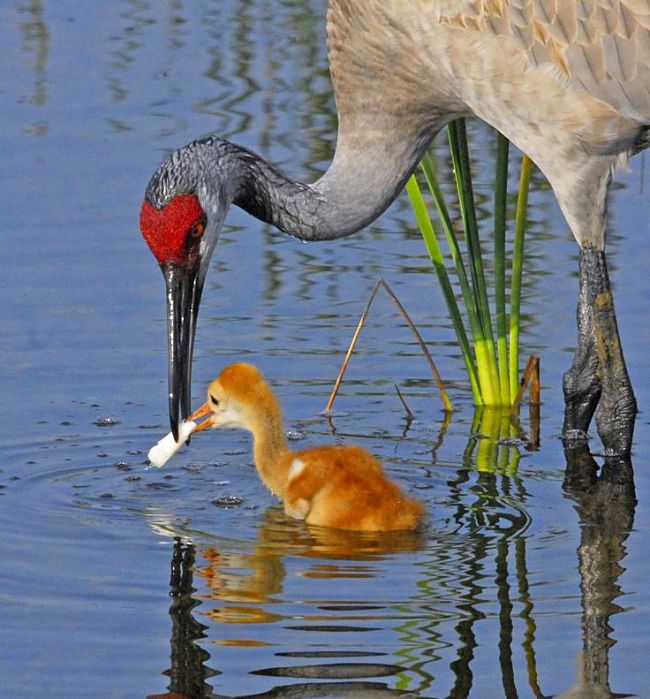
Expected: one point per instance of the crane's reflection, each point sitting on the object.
(188, 671)
(605, 503)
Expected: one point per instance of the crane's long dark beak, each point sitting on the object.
(184, 287)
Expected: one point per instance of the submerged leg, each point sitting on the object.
(598, 376)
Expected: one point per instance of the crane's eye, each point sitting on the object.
(197, 230)
(214, 400)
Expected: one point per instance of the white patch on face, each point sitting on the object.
(296, 468)
(228, 415)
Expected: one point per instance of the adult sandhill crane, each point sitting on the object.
(567, 81)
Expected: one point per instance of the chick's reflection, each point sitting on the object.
(258, 576)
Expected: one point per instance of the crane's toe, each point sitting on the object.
(582, 391)
(615, 420)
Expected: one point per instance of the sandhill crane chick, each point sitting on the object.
(332, 486)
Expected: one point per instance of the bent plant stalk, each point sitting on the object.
(492, 366)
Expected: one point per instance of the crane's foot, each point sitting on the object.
(598, 377)
(615, 421)
(582, 391)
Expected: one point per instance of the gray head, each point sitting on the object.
(180, 220)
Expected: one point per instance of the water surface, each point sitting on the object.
(118, 581)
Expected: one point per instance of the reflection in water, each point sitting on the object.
(188, 672)
(493, 508)
(481, 566)
(243, 584)
(605, 505)
(36, 44)
(498, 437)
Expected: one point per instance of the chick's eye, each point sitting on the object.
(214, 400)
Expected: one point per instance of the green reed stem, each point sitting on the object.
(428, 167)
(486, 358)
(476, 358)
(517, 267)
(493, 369)
(500, 215)
(435, 253)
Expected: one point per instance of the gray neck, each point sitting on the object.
(360, 184)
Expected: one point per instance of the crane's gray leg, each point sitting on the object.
(582, 385)
(598, 376)
(617, 407)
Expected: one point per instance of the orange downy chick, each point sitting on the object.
(332, 486)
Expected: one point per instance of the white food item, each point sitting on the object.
(163, 451)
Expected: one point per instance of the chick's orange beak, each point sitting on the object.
(202, 412)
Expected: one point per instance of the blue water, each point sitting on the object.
(118, 581)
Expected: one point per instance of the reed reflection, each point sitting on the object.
(488, 500)
(605, 503)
